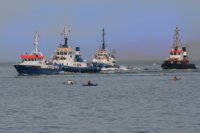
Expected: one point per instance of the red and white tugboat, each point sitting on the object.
(178, 58)
(35, 63)
(103, 58)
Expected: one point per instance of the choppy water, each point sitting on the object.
(137, 102)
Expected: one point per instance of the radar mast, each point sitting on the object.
(177, 42)
(103, 41)
(36, 36)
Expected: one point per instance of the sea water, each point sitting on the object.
(144, 100)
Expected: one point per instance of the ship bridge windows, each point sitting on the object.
(62, 53)
(31, 59)
(101, 54)
(175, 53)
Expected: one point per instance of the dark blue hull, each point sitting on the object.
(35, 70)
(81, 69)
(175, 65)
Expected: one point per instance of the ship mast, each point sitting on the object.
(177, 42)
(65, 37)
(103, 41)
(36, 36)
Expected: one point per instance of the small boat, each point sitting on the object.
(35, 63)
(70, 59)
(90, 84)
(175, 79)
(178, 58)
(103, 58)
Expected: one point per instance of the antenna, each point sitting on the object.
(65, 36)
(177, 42)
(36, 36)
(103, 41)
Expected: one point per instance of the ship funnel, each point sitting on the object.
(184, 49)
(78, 55)
(77, 49)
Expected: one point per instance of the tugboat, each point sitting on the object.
(35, 63)
(103, 58)
(70, 59)
(178, 58)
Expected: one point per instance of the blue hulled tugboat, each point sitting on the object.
(36, 63)
(178, 58)
(103, 58)
(70, 59)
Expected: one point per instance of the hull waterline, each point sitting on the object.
(81, 69)
(35, 70)
(168, 65)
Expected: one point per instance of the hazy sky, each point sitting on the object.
(136, 29)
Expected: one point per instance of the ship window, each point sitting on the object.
(32, 60)
(57, 53)
(174, 53)
(65, 53)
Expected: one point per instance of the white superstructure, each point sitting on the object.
(103, 58)
(66, 55)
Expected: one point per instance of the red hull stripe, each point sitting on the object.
(102, 50)
(177, 51)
